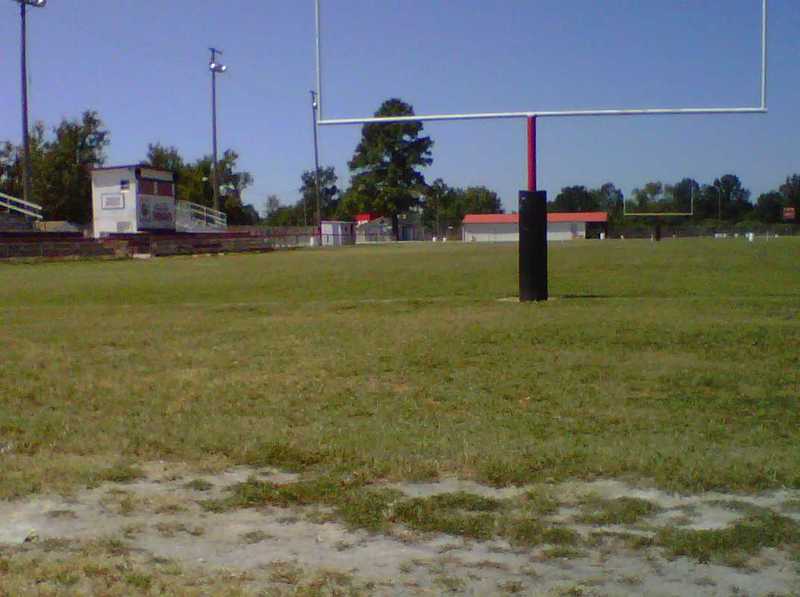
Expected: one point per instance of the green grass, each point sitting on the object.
(733, 543)
(460, 514)
(199, 485)
(374, 509)
(624, 510)
(119, 473)
(532, 532)
(677, 363)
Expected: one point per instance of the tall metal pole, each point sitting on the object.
(318, 40)
(26, 143)
(314, 106)
(214, 179)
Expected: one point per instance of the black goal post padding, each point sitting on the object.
(533, 246)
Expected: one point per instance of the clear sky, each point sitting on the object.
(142, 64)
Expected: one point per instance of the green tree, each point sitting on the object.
(11, 162)
(609, 198)
(62, 167)
(733, 199)
(647, 198)
(681, 195)
(791, 191)
(287, 215)
(575, 198)
(329, 193)
(444, 207)
(194, 181)
(166, 158)
(271, 205)
(479, 200)
(385, 167)
(769, 207)
(706, 203)
(438, 201)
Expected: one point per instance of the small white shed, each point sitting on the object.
(131, 199)
(336, 234)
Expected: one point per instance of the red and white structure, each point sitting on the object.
(499, 228)
(137, 198)
(129, 199)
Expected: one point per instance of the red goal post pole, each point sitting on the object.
(533, 284)
(532, 182)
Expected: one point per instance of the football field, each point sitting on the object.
(391, 420)
(674, 364)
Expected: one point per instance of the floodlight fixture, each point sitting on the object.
(34, 3)
(215, 68)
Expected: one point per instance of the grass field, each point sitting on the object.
(672, 364)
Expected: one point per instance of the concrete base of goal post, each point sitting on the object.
(532, 246)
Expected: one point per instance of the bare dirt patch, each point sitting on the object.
(571, 538)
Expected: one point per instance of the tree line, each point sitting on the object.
(386, 179)
(725, 200)
(62, 159)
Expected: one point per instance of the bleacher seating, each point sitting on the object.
(12, 222)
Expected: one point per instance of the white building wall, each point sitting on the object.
(566, 230)
(490, 233)
(500, 233)
(336, 234)
(113, 207)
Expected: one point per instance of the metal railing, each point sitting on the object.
(32, 210)
(202, 215)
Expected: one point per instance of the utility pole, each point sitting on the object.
(27, 170)
(314, 106)
(215, 68)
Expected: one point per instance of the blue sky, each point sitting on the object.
(142, 65)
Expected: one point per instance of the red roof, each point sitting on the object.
(366, 217)
(578, 216)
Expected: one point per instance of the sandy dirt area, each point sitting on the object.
(160, 517)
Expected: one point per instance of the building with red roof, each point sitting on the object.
(560, 226)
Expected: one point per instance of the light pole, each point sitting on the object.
(314, 106)
(26, 143)
(215, 67)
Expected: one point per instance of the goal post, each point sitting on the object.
(529, 292)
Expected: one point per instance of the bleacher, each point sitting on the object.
(11, 222)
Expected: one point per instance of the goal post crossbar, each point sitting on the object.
(322, 121)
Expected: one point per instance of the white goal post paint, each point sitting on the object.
(762, 109)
